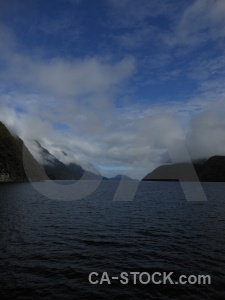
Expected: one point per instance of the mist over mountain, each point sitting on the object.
(13, 154)
(54, 168)
(57, 170)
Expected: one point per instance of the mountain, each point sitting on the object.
(85, 175)
(14, 155)
(121, 177)
(57, 170)
(12, 149)
(54, 168)
(213, 169)
(210, 170)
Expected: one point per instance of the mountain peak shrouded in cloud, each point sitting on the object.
(54, 168)
(113, 83)
(17, 164)
(57, 170)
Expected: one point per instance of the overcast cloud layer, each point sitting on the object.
(115, 83)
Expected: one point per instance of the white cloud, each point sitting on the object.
(65, 78)
(201, 21)
(206, 135)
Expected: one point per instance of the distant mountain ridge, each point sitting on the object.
(210, 170)
(121, 177)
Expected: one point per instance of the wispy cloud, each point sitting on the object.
(200, 22)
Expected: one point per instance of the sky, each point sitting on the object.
(115, 83)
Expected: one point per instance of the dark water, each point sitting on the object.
(48, 248)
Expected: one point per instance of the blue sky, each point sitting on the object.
(112, 82)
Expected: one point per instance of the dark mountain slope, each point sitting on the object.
(12, 150)
(54, 168)
(211, 170)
